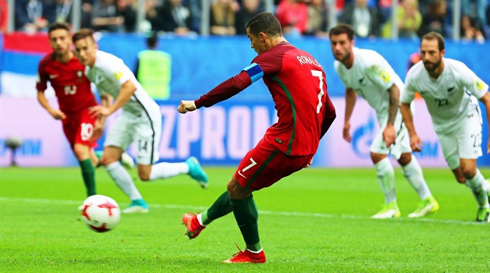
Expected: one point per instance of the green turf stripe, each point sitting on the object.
(266, 162)
(293, 109)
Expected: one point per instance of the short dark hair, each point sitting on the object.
(434, 36)
(82, 34)
(342, 29)
(264, 22)
(56, 26)
(152, 39)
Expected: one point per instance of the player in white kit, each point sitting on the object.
(450, 90)
(368, 74)
(140, 121)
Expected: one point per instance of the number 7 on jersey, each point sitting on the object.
(319, 74)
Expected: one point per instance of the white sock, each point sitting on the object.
(123, 180)
(166, 170)
(255, 252)
(413, 173)
(486, 186)
(200, 220)
(386, 178)
(477, 186)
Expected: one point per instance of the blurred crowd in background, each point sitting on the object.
(370, 18)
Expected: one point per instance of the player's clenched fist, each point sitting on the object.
(186, 106)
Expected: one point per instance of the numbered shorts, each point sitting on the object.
(402, 141)
(143, 129)
(78, 128)
(264, 166)
(463, 142)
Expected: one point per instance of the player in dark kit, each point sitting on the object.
(67, 77)
(298, 87)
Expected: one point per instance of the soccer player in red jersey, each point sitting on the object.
(67, 77)
(298, 87)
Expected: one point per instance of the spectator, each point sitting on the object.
(175, 17)
(30, 15)
(317, 19)
(425, 6)
(151, 14)
(364, 20)
(223, 18)
(153, 69)
(471, 29)
(249, 9)
(105, 17)
(3, 16)
(125, 10)
(478, 11)
(435, 20)
(61, 11)
(409, 20)
(293, 16)
(194, 7)
(86, 14)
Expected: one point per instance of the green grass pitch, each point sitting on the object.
(317, 220)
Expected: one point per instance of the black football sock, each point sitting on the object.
(220, 208)
(247, 215)
(88, 174)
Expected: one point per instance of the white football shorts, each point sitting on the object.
(464, 141)
(402, 141)
(144, 129)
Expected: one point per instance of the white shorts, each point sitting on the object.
(402, 141)
(145, 129)
(462, 142)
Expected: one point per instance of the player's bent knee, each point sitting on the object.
(81, 152)
(461, 180)
(236, 191)
(375, 157)
(104, 160)
(144, 175)
(405, 158)
(144, 172)
(469, 172)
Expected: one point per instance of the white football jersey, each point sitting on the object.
(370, 76)
(109, 73)
(450, 97)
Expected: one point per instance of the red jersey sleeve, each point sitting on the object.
(263, 65)
(42, 76)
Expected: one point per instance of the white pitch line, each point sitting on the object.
(281, 213)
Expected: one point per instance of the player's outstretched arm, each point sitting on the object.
(486, 101)
(415, 142)
(55, 113)
(186, 106)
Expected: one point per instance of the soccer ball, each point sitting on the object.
(100, 213)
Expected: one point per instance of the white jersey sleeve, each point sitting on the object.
(115, 67)
(380, 74)
(110, 73)
(469, 80)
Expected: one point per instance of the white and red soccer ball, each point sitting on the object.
(100, 213)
